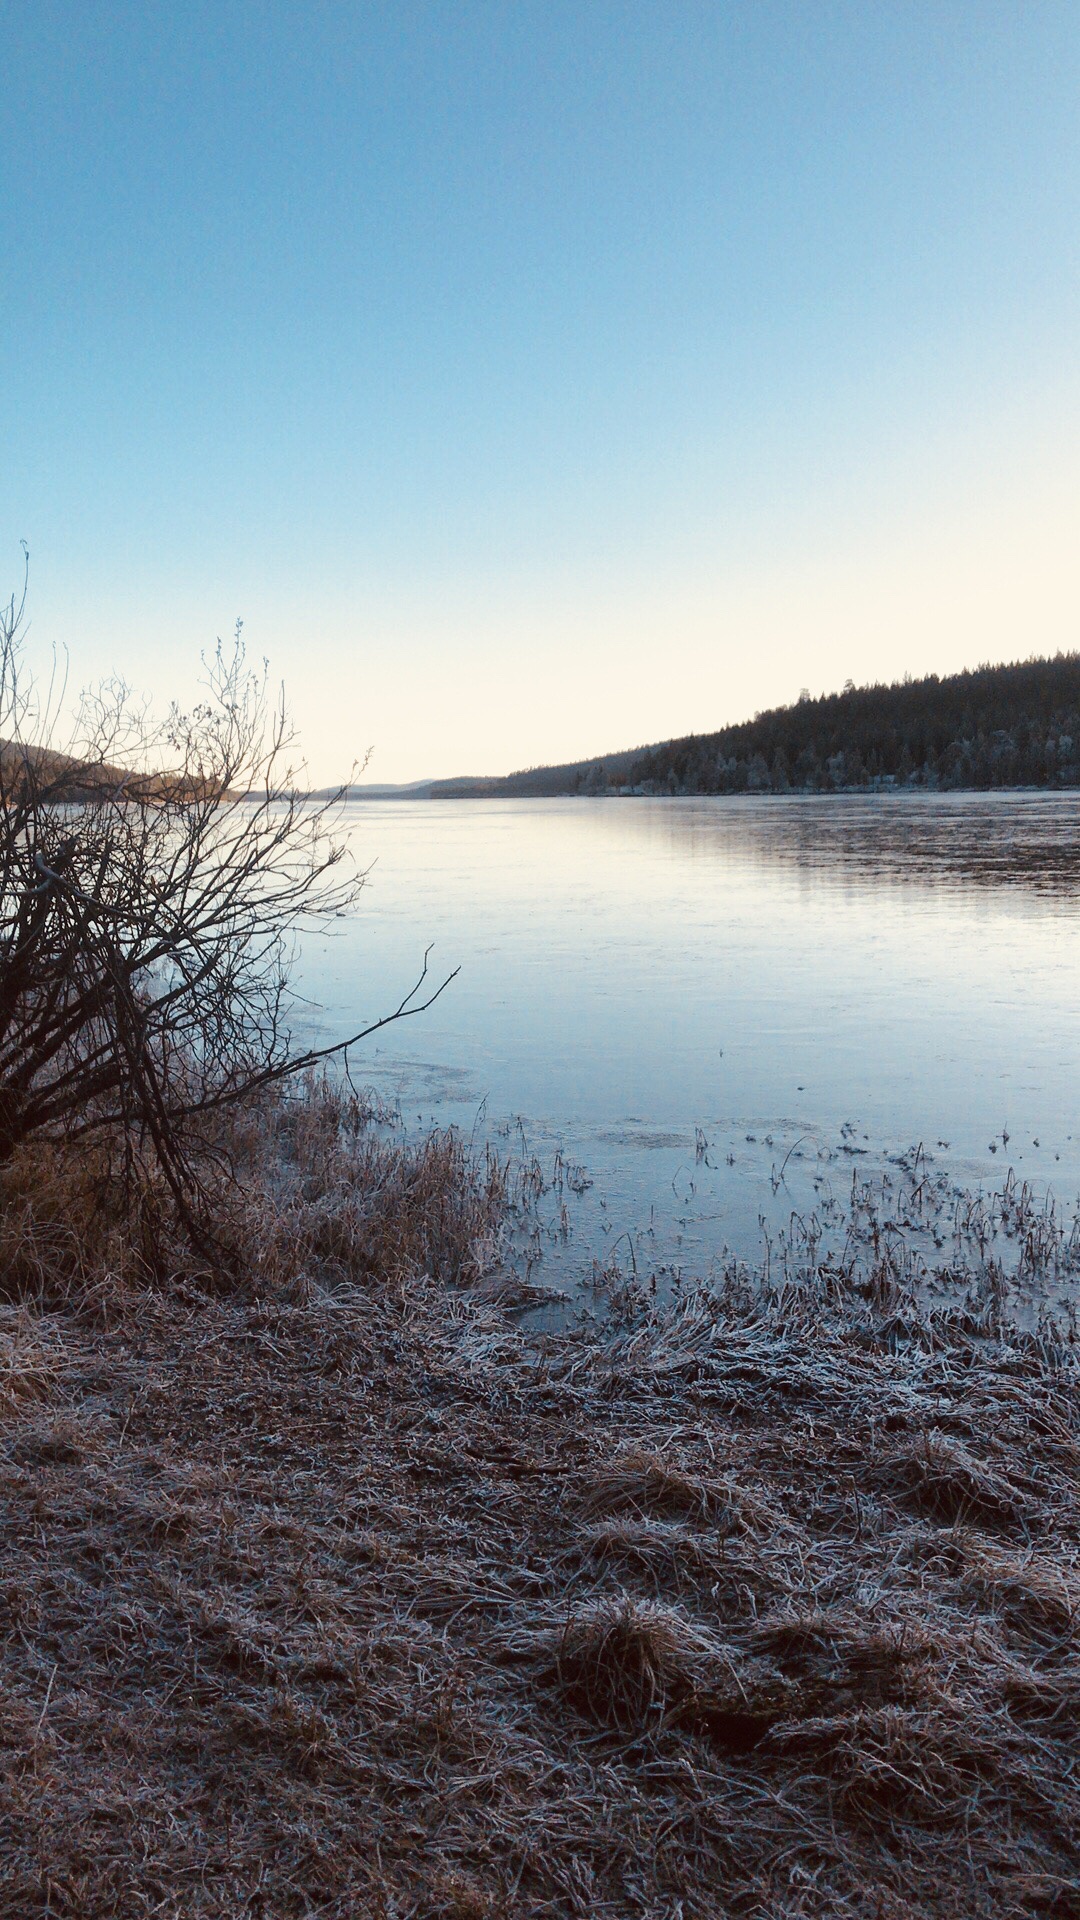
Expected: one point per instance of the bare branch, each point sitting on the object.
(153, 880)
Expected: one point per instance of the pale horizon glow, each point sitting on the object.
(541, 380)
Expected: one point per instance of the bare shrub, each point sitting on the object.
(154, 875)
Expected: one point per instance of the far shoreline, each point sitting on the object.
(353, 796)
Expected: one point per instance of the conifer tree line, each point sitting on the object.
(990, 727)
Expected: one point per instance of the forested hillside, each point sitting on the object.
(992, 727)
(1008, 726)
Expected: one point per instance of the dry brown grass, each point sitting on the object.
(638, 1482)
(644, 1666)
(29, 1363)
(937, 1476)
(329, 1593)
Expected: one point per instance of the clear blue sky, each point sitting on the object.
(540, 378)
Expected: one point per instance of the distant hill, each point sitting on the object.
(470, 784)
(579, 776)
(72, 779)
(376, 790)
(58, 778)
(1007, 726)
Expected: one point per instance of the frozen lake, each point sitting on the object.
(822, 982)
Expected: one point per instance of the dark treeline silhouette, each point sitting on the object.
(1006, 726)
(991, 727)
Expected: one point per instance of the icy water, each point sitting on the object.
(721, 1008)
